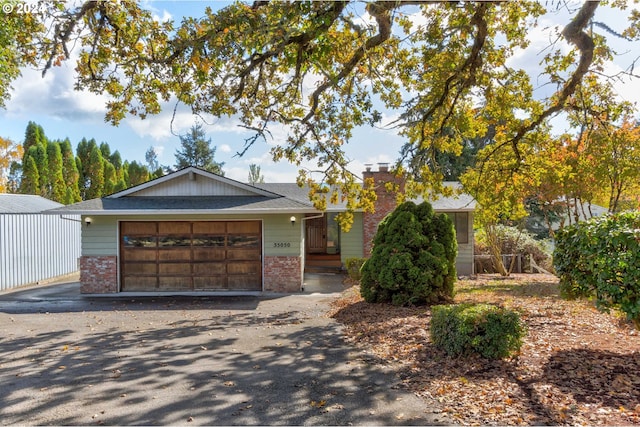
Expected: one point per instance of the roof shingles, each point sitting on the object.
(25, 203)
(221, 204)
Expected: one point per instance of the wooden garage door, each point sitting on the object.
(187, 255)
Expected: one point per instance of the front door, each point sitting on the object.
(316, 235)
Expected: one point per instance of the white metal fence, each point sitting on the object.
(35, 248)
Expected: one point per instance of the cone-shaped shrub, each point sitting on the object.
(413, 259)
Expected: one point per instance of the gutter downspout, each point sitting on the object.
(70, 219)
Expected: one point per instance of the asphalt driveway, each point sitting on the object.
(66, 359)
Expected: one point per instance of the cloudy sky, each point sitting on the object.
(63, 112)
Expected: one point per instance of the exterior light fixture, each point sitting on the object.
(87, 221)
(293, 220)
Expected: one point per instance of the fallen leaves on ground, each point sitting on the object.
(577, 365)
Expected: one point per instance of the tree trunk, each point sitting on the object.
(496, 250)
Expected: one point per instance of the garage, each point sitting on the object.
(190, 256)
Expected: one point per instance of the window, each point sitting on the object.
(461, 224)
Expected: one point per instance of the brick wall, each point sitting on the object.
(385, 202)
(282, 273)
(98, 274)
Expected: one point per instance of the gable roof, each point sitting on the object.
(195, 181)
(189, 191)
(195, 191)
(25, 203)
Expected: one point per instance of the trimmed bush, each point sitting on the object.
(490, 331)
(413, 259)
(601, 257)
(354, 266)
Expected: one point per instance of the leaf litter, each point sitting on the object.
(577, 366)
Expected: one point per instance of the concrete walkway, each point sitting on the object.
(66, 359)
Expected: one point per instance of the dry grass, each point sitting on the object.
(577, 365)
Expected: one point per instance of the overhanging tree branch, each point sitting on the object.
(574, 33)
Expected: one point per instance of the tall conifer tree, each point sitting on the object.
(30, 183)
(197, 151)
(94, 174)
(70, 173)
(56, 185)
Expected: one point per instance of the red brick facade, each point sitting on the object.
(385, 203)
(98, 274)
(282, 273)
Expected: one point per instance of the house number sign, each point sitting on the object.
(281, 244)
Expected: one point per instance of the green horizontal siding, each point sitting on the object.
(280, 237)
(101, 237)
(351, 241)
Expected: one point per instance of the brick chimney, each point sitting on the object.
(385, 203)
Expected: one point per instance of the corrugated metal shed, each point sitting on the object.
(35, 247)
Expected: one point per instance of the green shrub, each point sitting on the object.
(601, 257)
(413, 259)
(354, 266)
(573, 271)
(490, 331)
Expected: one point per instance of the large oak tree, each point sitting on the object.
(321, 69)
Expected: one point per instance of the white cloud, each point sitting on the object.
(626, 87)
(272, 172)
(417, 20)
(159, 15)
(159, 150)
(166, 16)
(53, 95)
(160, 127)
(225, 148)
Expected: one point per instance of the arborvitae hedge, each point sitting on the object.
(413, 259)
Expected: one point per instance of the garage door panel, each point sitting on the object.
(209, 228)
(185, 255)
(209, 241)
(139, 254)
(210, 283)
(174, 269)
(243, 227)
(213, 268)
(243, 268)
(132, 241)
(200, 254)
(174, 228)
(136, 283)
(244, 283)
(174, 283)
(140, 268)
(243, 254)
(174, 241)
(139, 228)
(243, 241)
(174, 254)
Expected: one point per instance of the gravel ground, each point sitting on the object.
(66, 359)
